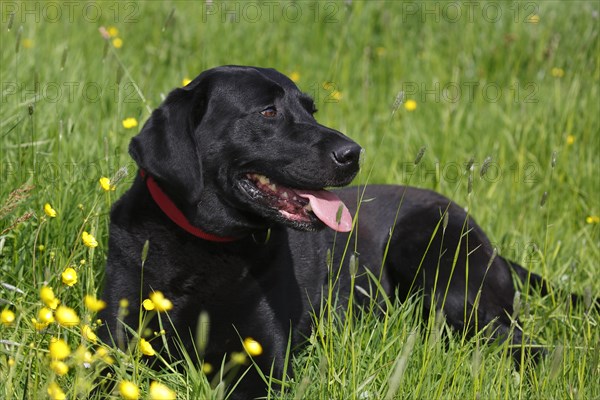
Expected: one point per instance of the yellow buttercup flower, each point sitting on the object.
(185, 81)
(55, 392)
(69, 276)
(570, 139)
(105, 184)
(27, 43)
(89, 240)
(148, 305)
(158, 391)
(252, 347)
(557, 72)
(533, 19)
(47, 296)
(161, 304)
(410, 105)
(238, 358)
(59, 349)
(112, 31)
(7, 317)
(49, 211)
(123, 303)
(88, 333)
(45, 315)
(94, 304)
(129, 123)
(82, 355)
(129, 390)
(593, 219)
(102, 354)
(295, 77)
(117, 42)
(146, 348)
(66, 316)
(207, 368)
(59, 367)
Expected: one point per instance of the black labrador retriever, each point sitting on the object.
(230, 196)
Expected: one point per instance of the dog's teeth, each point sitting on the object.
(273, 187)
(285, 195)
(308, 207)
(295, 198)
(263, 179)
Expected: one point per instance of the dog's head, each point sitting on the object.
(238, 148)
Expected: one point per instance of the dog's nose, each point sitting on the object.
(347, 155)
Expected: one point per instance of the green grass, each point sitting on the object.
(65, 92)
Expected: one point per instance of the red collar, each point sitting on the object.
(170, 209)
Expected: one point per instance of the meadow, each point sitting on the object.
(494, 104)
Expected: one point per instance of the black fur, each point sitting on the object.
(199, 145)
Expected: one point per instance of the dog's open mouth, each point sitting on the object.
(299, 205)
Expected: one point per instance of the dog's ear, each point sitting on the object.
(166, 148)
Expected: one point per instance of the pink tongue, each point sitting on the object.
(326, 206)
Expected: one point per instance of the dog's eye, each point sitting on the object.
(269, 112)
